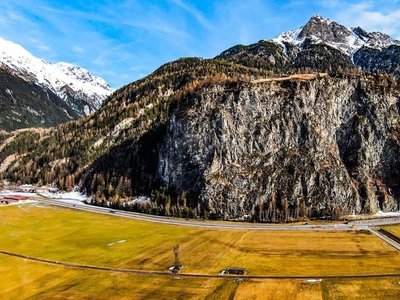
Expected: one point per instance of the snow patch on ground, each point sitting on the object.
(72, 197)
(117, 242)
(388, 214)
(141, 199)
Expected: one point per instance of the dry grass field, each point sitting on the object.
(395, 229)
(90, 239)
(345, 289)
(30, 280)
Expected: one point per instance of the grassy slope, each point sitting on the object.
(86, 238)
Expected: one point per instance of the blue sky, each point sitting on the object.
(125, 40)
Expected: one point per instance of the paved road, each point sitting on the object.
(210, 224)
(385, 238)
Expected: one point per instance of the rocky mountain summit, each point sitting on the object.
(274, 131)
(319, 30)
(321, 45)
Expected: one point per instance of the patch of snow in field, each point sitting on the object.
(72, 197)
(118, 242)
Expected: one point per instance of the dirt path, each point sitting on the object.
(4, 165)
(296, 76)
(166, 273)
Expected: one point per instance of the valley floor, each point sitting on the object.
(61, 253)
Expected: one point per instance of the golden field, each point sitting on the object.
(84, 238)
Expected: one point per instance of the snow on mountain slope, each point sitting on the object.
(348, 40)
(61, 78)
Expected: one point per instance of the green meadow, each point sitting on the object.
(72, 236)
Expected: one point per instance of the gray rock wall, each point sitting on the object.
(286, 149)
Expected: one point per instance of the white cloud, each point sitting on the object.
(242, 22)
(16, 16)
(378, 21)
(39, 45)
(156, 25)
(197, 15)
(99, 61)
(369, 15)
(43, 47)
(78, 49)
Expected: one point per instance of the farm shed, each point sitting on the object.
(234, 271)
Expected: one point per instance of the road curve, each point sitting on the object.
(210, 224)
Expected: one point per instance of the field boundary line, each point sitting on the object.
(165, 273)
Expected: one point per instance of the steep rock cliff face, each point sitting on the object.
(280, 150)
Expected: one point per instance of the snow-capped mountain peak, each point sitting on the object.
(64, 79)
(348, 40)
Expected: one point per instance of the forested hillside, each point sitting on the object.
(305, 125)
(198, 138)
(24, 104)
(108, 152)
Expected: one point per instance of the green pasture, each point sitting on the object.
(65, 235)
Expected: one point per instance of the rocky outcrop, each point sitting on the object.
(284, 149)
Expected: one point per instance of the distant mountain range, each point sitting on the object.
(28, 80)
(321, 45)
(304, 125)
(324, 31)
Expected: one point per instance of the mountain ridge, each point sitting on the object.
(321, 45)
(275, 135)
(81, 90)
(25, 104)
(348, 40)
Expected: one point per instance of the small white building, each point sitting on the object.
(26, 188)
